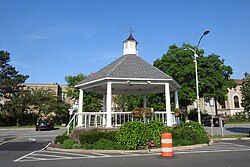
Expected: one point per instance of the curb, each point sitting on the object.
(238, 138)
(157, 150)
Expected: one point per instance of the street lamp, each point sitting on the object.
(196, 74)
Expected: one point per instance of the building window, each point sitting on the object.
(223, 105)
(236, 102)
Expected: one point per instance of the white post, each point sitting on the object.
(104, 111)
(176, 97)
(79, 122)
(145, 101)
(108, 104)
(168, 105)
(197, 88)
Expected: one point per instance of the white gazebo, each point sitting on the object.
(129, 74)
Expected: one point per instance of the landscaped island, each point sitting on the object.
(132, 136)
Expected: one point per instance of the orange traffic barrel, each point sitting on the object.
(167, 145)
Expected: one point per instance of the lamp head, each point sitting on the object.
(206, 32)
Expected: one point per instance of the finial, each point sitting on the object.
(130, 31)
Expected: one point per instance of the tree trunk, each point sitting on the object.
(215, 106)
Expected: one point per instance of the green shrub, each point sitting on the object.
(61, 138)
(190, 133)
(131, 135)
(154, 130)
(105, 144)
(92, 136)
(67, 144)
(87, 146)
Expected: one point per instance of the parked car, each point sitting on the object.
(44, 123)
(216, 121)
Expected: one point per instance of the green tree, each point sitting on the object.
(71, 82)
(91, 101)
(128, 102)
(245, 91)
(10, 79)
(214, 76)
(47, 103)
(17, 107)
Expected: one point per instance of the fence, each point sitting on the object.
(98, 119)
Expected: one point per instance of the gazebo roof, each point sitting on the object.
(128, 68)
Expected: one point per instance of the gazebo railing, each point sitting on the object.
(98, 119)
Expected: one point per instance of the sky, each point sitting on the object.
(49, 39)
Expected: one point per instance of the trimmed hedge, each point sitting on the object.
(131, 135)
(92, 136)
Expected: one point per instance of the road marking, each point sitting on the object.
(212, 151)
(60, 152)
(40, 155)
(32, 139)
(24, 156)
(40, 136)
(47, 155)
(101, 154)
(31, 153)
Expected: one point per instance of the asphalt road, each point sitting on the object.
(230, 130)
(221, 154)
(18, 142)
(26, 150)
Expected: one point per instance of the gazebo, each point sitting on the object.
(129, 74)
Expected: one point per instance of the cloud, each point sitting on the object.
(73, 32)
(105, 56)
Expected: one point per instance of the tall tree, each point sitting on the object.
(10, 79)
(128, 102)
(91, 101)
(214, 76)
(245, 91)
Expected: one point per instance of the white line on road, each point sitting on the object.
(32, 139)
(40, 136)
(24, 156)
(132, 155)
(48, 155)
(60, 152)
(212, 151)
(31, 153)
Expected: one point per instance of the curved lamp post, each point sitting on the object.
(196, 74)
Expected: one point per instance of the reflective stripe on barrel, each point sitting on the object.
(167, 145)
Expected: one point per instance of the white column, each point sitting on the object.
(176, 97)
(80, 116)
(168, 105)
(108, 104)
(145, 101)
(104, 111)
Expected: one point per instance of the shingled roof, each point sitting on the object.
(128, 66)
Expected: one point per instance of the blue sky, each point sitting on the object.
(51, 39)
